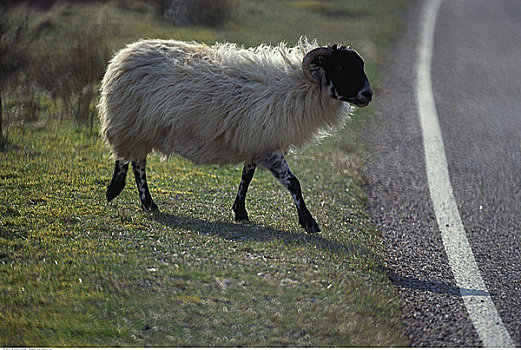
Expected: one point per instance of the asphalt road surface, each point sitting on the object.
(476, 84)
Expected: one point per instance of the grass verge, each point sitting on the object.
(75, 271)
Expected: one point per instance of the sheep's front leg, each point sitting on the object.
(239, 206)
(118, 180)
(280, 169)
(139, 168)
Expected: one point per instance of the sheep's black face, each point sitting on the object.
(345, 76)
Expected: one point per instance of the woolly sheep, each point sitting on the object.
(224, 104)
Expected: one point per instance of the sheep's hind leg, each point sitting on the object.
(118, 180)
(139, 168)
(239, 206)
(280, 169)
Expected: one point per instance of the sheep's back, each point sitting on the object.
(137, 85)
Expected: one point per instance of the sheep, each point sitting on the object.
(225, 104)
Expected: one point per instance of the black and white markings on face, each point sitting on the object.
(345, 76)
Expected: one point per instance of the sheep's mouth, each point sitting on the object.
(359, 102)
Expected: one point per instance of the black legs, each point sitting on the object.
(139, 168)
(274, 163)
(118, 183)
(238, 207)
(118, 180)
(280, 169)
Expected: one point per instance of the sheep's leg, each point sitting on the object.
(280, 169)
(118, 180)
(139, 168)
(238, 206)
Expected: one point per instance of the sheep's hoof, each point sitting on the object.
(240, 213)
(310, 225)
(313, 228)
(150, 207)
(114, 189)
(241, 216)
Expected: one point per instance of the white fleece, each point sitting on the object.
(215, 104)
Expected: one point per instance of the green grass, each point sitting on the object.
(76, 271)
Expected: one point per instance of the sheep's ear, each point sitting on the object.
(312, 63)
(316, 70)
(339, 47)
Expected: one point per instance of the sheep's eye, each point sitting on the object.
(338, 68)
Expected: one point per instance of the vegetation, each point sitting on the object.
(209, 12)
(76, 271)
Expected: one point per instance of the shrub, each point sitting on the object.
(13, 47)
(3, 137)
(14, 56)
(61, 73)
(199, 12)
(72, 74)
(83, 66)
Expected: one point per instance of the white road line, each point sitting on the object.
(476, 297)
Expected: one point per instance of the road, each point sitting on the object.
(476, 84)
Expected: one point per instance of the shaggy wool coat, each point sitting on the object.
(215, 104)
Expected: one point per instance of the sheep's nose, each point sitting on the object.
(368, 94)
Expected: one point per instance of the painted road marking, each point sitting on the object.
(476, 297)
